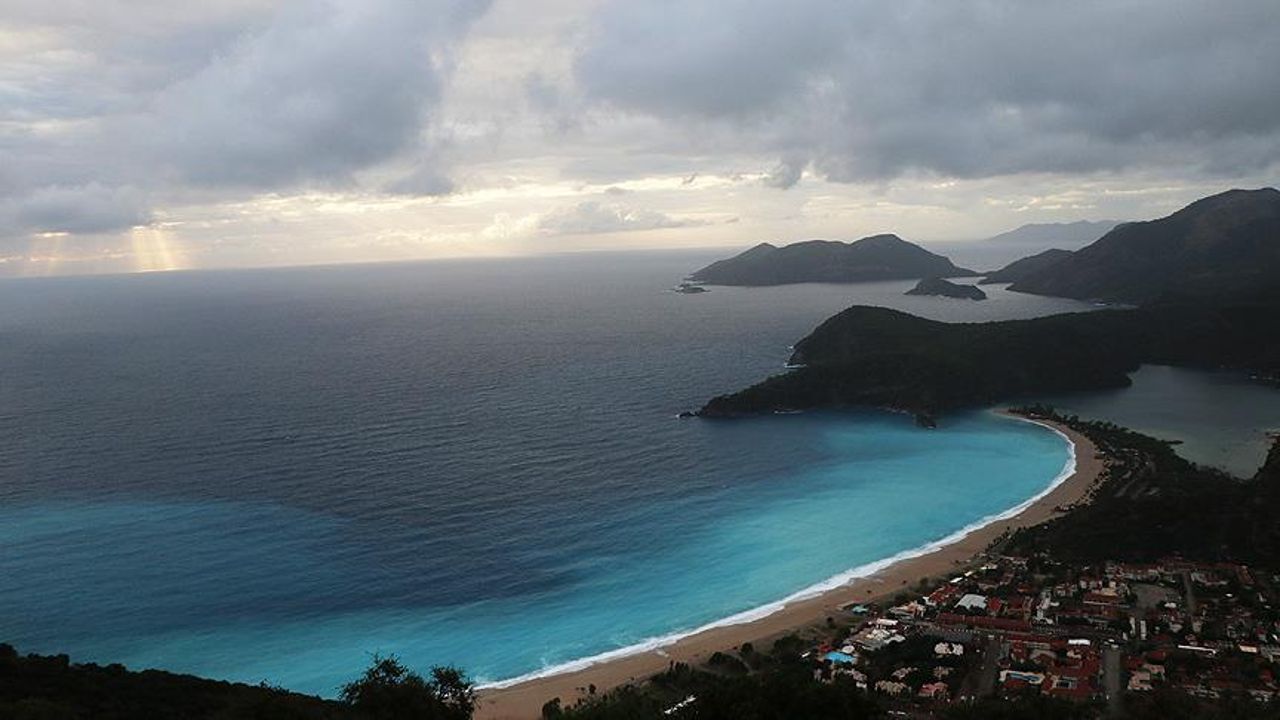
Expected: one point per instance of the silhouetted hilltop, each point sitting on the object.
(1226, 245)
(879, 257)
(1021, 269)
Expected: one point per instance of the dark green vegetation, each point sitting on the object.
(389, 691)
(1156, 504)
(885, 358)
(1019, 270)
(879, 257)
(1223, 246)
(36, 687)
(943, 288)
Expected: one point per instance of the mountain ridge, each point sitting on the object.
(1069, 235)
(1224, 244)
(875, 257)
(879, 357)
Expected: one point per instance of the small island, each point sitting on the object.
(938, 287)
(879, 257)
(689, 288)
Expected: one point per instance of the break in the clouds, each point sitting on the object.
(871, 90)
(331, 130)
(593, 217)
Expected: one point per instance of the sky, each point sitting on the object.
(153, 135)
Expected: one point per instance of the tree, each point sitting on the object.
(389, 691)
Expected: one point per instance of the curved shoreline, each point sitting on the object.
(811, 591)
(523, 696)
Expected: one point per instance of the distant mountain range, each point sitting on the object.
(1071, 236)
(1223, 245)
(879, 257)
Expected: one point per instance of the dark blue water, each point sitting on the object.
(271, 474)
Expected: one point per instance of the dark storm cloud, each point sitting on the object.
(305, 95)
(91, 208)
(325, 90)
(710, 58)
(871, 90)
(787, 173)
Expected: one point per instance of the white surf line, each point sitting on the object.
(832, 583)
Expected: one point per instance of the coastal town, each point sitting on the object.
(1020, 625)
(1107, 629)
(1149, 593)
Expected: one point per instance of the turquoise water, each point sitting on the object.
(875, 495)
(271, 475)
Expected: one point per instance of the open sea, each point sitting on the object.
(273, 474)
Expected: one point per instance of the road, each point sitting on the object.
(1111, 658)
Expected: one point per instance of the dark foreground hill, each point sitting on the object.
(1223, 246)
(885, 358)
(879, 257)
(51, 687)
(40, 687)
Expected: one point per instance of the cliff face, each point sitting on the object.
(1226, 245)
(880, 257)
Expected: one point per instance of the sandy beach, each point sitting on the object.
(525, 700)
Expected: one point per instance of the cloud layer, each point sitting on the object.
(869, 90)
(318, 130)
(592, 217)
(306, 94)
